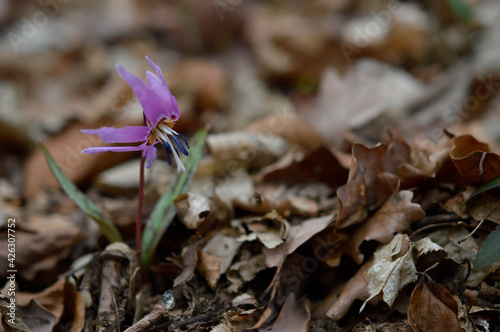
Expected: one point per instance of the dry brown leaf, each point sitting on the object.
(51, 298)
(372, 179)
(192, 206)
(263, 318)
(47, 241)
(294, 316)
(251, 149)
(382, 277)
(291, 127)
(298, 235)
(432, 308)
(484, 207)
(45, 309)
(423, 164)
(216, 257)
(395, 216)
(244, 271)
(13, 322)
(355, 289)
(473, 159)
(320, 165)
(232, 185)
(394, 267)
(264, 200)
(209, 267)
(36, 317)
(190, 258)
(460, 247)
(271, 230)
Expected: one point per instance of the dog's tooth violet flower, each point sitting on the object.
(161, 113)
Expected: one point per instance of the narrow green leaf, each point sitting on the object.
(87, 206)
(491, 250)
(493, 183)
(164, 211)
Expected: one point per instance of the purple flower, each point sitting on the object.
(161, 113)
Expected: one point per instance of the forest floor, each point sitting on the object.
(336, 152)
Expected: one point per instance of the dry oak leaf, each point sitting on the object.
(432, 308)
(395, 216)
(473, 159)
(372, 179)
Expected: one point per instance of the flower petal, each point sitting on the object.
(158, 72)
(121, 135)
(175, 107)
(154, 107)
(150, 154)
(170, 102)
(113, 149)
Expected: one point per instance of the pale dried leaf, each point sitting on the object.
(392, 269)
(191, 205)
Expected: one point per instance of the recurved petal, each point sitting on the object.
(154, 107)
(121, 135)
(158, 72)
(170, 102)
(114, 149)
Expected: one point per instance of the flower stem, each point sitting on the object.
(138, 221)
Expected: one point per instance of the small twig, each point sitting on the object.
(156, 317)
(480, 223)
(418, 231)
(194, 319)
(471, 233)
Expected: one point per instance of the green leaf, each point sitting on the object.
(493, 183)
(164, 211)
(87, 206)
(491, 250)
(461, 10)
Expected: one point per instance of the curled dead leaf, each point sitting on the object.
(473, 159)
(192, 206)
(271, 230)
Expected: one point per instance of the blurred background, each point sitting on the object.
(337, 64)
